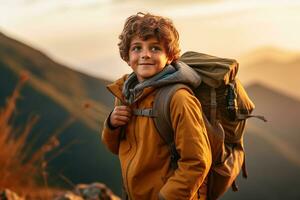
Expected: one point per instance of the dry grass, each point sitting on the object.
(26, 175)
(22, 171)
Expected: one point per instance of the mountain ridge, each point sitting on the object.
(49, 77)
(273, 67)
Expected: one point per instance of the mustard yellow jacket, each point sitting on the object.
(145, 158)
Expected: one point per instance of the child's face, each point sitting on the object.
(147, 57)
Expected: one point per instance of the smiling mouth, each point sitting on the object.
(145, 64)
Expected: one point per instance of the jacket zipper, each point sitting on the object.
(127, 184)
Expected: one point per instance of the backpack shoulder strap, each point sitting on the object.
(162, 120)
(161, 106)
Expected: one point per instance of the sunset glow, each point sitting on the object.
(84, 34)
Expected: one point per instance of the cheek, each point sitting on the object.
(163, 61)
(132, 59)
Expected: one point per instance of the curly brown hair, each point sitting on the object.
(146, 26)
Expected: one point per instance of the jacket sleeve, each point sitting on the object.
(110, 137)
(192, 144)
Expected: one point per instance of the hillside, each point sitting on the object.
(57, 95)
(282, 111)
(55, 80)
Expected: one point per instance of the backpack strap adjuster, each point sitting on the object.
(148, 112)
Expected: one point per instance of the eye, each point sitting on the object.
(156, 48)
(136, 48)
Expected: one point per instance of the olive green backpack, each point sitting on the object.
(226, 107)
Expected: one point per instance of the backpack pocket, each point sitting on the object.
(229, 158)
(223, 174)
(244, 103)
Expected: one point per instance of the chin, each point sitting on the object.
(147, 74)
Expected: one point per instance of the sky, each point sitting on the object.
(83, 34)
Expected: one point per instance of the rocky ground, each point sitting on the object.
(94, 191)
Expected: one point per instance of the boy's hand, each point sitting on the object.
(120, 116)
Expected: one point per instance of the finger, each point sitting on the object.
(116, 117)
(123, 108)
(123, 113)
(119, 122)
(122, 118)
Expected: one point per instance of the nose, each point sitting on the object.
(146, 54)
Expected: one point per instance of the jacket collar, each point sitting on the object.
(116, 89)
(128, 90)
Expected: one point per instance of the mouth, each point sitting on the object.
(146, 64)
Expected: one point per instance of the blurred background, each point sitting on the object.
(69, 50)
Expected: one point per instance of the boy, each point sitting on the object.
(149, 44)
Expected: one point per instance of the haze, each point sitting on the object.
(83, 34)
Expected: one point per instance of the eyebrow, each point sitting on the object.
(135, 43)
(138, 43)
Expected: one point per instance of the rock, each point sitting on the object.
(95, 191)
(68, 196)
(6, 194)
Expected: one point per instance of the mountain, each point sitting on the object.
(272, 148)
(276, 67)
(60, 95)
(269, 54)
(53, 79)
(282, 112)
